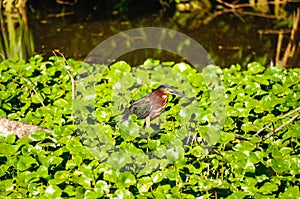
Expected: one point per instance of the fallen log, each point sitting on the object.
(20, 129)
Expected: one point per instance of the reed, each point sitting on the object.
(16, 38)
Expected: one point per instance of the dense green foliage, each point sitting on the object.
(244, 162)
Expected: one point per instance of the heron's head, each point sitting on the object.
(166, 90)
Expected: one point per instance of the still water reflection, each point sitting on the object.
(227, 39)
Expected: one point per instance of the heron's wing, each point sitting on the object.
(141, 108)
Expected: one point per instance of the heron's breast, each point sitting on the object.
(158, 106)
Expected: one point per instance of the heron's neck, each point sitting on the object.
(161, 99)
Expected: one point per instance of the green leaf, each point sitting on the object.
(144, 184)
(61, 103)
(53, 191)
(291, 192)
(123, 193)
(110, 175)
(255, 68)
(161, 191)
(102, 186)
(36, 99)
(61, 175)
(92, 194)
(119, 159)
(42, 171)
(125, 179)
(250, 167)
(268, 188)
(158, 176)
(7, 149)
(237, 194)
(7, 185)
(70, 190)
(10, 139)
(25, 162)
(150, 166)
(226, 137)
(281, 165)
(49, 160)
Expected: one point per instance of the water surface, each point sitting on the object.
(228, 39)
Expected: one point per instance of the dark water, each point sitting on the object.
(228, 39)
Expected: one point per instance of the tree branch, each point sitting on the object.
(246, 5)
(237, 8)
(20, 129)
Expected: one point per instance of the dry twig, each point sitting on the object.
(30, 84)
(67, 67)
(238, 9)
(292, 45)
(279, 128)
(291, 48)
(282, 126)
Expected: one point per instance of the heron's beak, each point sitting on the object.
(174, 92)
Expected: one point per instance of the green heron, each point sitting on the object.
(151, 105)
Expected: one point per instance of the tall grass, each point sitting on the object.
(16, 38)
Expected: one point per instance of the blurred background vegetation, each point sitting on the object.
(232, 32)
